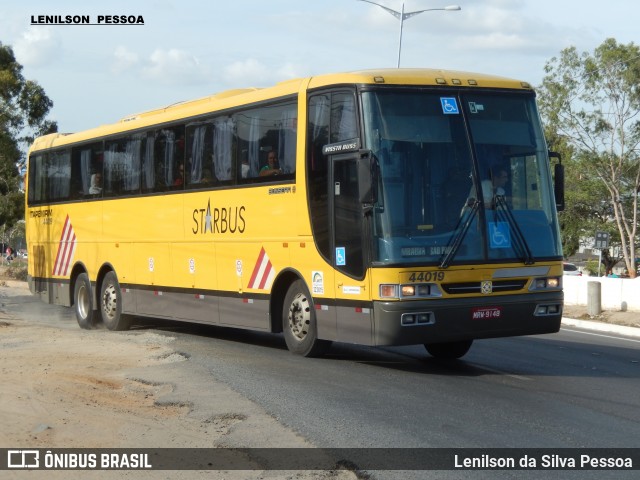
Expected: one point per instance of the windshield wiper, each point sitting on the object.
(459, 233)
(520, 241)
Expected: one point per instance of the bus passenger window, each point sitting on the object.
(199, 150)
(224, 144)
(262, 132)
(86, 161)
(169, 152)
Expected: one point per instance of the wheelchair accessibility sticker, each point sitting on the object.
(449, 105)
(499, 236)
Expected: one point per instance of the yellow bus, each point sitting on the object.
(388, 207)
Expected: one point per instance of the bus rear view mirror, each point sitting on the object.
(558, 181)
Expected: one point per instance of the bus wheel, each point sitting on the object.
(111, 304)
(449, 350)
(299, 323)
(83, 302)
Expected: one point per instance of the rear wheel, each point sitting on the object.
(449, 350)
(86, 316)
(299, 323)
(111, 304)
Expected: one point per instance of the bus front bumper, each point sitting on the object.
(449, 320)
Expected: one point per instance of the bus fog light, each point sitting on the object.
(408, 319)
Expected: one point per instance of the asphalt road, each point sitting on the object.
(573, 389)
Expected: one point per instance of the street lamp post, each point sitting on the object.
(402, 16)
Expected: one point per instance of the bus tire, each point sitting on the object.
(86, 316)
(299, 323)
(449, 350)
(111, 304)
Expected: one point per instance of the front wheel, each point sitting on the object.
(299, 323)
(449, 350)
(111, 304)
(86, 316)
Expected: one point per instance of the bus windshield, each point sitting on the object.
(464, 178)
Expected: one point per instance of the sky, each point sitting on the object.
(189, 49)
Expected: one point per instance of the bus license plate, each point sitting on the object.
(485, 313)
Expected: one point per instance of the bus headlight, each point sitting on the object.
(553, 282)
(417, 290)
(550, 283)
(408, 290)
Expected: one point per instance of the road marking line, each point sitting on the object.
(500, 372)
(601, 335)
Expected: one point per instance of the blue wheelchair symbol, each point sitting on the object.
(499, 235)
(449, 105)
(341, 256)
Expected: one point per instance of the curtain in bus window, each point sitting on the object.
(59, 173)
(319, 118)
(222, 142)
(38, 172)
(343, 117)
(169, 141)
(132, 163)
(320, 105)
(254, 146)
(112, 168)
(85, 170)
(197, 154)
(149, 175)
(287, 140)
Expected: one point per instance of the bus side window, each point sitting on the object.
(265, 131)
(147, 166)
(224, 145)
(199, 166)
(59, 174)
(122, 165)
(168, 164)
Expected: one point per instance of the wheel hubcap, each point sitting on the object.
(109, 301)
(83, 302)
(299, 317)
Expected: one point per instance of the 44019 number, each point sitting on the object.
(426, 277)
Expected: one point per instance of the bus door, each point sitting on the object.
(349, 255)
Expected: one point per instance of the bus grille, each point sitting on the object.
(476, 287)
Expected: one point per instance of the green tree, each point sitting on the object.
(23, 108)
(592, 103)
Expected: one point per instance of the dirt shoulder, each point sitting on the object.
(616, 317)
(64, 387)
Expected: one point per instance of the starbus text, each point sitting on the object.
(218, 220)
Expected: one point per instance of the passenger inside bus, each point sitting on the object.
(96, 184)
(272, 167)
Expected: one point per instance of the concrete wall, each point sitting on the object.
(617, 293)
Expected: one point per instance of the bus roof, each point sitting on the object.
(238, 97)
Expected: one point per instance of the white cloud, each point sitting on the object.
(124, 59)
(175, 67)
(36, 46)
(254, 73)
(246, 72)
(288, 71)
